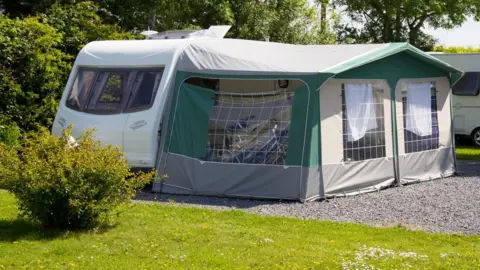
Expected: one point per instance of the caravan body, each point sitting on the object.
(466, 98)
(121, 93)
(120, 89)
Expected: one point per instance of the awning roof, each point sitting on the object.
(249, 57)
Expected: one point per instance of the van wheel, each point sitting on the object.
(476, 137)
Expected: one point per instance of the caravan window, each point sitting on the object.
(145, 89)
(108, 93)
(102, 91)
(80, 90)
(469, 85)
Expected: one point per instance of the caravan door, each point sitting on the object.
(140, 136)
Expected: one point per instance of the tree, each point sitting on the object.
(79, 24)
(32, 72)
(403, 20)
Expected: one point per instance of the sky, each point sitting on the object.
(467, 34)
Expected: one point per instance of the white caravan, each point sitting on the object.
(120, 87)
(465, 98)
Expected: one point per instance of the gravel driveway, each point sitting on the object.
(449, 205)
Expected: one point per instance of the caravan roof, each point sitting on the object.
(244, 56)
(469, 62)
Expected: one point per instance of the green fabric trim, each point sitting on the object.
(390, 50)
(297, 126)
(372, 56)
(305, 132)
(190, 123)
(393, 68)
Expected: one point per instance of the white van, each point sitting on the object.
(120, 88)
(465, 98)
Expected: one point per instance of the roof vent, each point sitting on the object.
(215, 31)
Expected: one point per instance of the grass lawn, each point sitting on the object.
(468, 152)
(159, 237)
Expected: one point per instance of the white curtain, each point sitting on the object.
(419, 109)
(361, 115)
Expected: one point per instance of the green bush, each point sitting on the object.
(62, 185)
(10, 134)
(8, 164)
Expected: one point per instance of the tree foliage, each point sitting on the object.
(404, 20)
(79, 24)
(32, 71)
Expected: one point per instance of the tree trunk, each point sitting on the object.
(386, 29)
(323, 15)
(152, 18)
(412, 37)
(398, 21)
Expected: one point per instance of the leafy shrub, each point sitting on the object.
(65, 185)
(8, 164)
(10, 134)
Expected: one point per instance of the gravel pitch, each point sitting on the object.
(450, 205)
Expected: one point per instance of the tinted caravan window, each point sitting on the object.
(144, 90)
(469, 85)
(112, 91)
(80, 90)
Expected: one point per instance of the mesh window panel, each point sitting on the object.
(250, 128)
(372, 144)
(413, 142)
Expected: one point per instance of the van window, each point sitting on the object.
(101, 91)
(108, 93)
(144, 90)
(469, 85)
(80, 90)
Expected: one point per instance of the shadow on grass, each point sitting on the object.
(20, 229)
